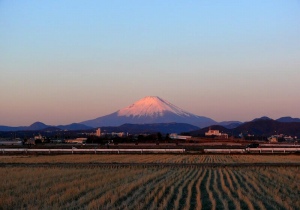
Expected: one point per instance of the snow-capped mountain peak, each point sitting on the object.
(150, 109)
(151, 106)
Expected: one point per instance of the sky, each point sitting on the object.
(69, 61)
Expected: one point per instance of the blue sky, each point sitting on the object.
(69, 61)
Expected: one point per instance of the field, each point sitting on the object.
(152, 158)
(140, 187)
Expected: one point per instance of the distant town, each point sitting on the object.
(156, 123)
(112, 139)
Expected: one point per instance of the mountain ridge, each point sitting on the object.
(36, 126)
(152, 128)
(258, 127)
(288, 119)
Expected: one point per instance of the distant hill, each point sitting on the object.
(33, 127)
(41, 126)
(269, 127)
(8, 128)
(74, 126)
(288, 119)
(262, 118)
(259, 127)
(37, 126)
(50, 129)
(152, 128)
(230, 124)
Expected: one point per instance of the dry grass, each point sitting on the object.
(149, 188)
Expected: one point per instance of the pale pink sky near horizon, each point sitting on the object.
(71, 61)
(56, 116)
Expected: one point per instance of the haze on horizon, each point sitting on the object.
(69, 61)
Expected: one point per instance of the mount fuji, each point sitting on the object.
(150, 109)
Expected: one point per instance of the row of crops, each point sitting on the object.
(152, 158)
(150, 188)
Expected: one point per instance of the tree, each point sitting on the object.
(159, 136)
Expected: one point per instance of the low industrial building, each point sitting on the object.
(181, 137)
(76, 141)
(11, 142)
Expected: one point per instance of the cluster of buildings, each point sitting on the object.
(220, 135)
(216, 133)
(112, 134)
(43, 140)
(210, 133)
(281, 137)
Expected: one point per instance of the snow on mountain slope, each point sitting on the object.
(150, 109)
(151, 106)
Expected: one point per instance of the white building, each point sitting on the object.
(213, 133)
(216, 133)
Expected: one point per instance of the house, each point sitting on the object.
(273, 138)
(281, 137)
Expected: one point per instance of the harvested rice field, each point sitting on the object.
(152, 158)
(140, 187)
